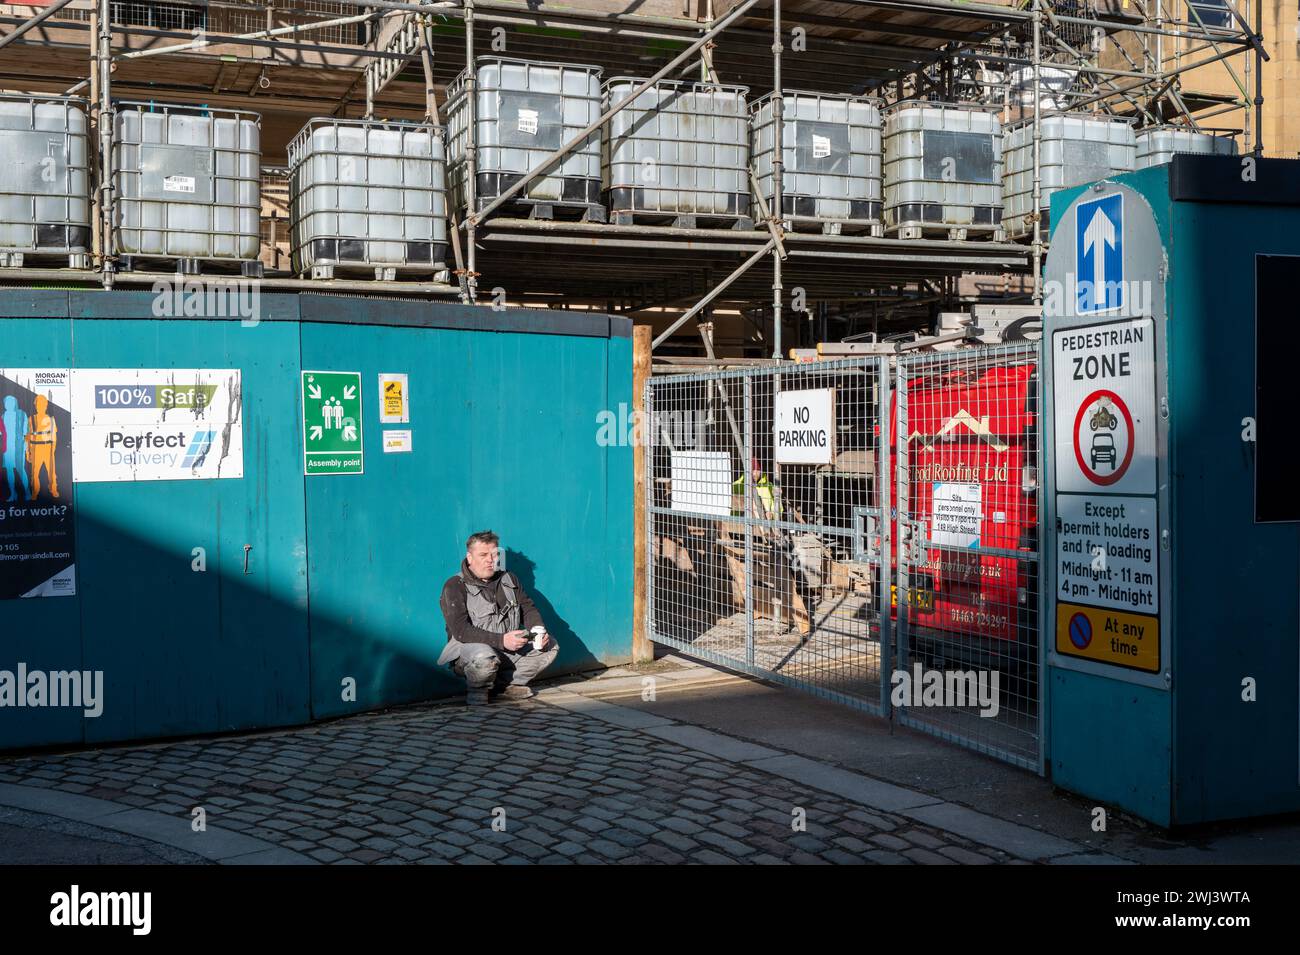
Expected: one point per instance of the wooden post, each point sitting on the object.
(643, 650)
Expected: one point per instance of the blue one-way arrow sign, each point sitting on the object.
(1099, 254)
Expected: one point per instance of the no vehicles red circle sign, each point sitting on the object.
(1103, 437)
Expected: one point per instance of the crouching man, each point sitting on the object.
(489, 622)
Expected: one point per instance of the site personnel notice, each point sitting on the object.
(1106, 544)
(804, 429)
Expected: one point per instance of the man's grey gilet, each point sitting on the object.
(485, 614)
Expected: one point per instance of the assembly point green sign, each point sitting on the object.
(331, 422)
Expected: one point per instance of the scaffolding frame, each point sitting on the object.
(1006, 57)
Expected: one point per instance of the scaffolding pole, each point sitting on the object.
(106, 199)
(431, 111)
(471, 156)
(1038, 147)
(259, 35)
(1147, 80)
(778, 175)
(714, 293)
(1260, 56)
(97, 238)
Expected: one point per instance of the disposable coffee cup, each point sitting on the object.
(539, 638)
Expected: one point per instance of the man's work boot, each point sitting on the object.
(515, 692)
(477, 697)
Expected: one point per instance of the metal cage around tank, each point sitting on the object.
(524, 111)
(831, 150)
(187, 185)
(368, 196)
(1159, 144)
(943, 171)
(1073, 150)
(44, 180)
(679, 149)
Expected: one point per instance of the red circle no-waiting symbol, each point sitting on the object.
(1109, 450)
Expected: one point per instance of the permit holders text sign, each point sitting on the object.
(804, 429)
(1107, 551)
(1106, 536)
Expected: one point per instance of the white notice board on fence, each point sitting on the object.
(702, 482)
(804, 429)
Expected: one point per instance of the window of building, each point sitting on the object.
(1213, 13)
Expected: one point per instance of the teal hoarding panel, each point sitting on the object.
(1110, 742)
(44, 634)
(185, 651)
(1151, 182)
(1110, 724)
(343, 571)
(503, 428)
(379, 541)
(555, 466)
(1237, 611)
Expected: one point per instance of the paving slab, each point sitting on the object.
(861, 789)
(715, 744)
(1020, 841)
(609, 712)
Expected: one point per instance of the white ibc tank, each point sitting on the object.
(679, 148)
(943, 170)
(830, 146)
(1074, 150)
(1159, 144)
(187, 181)
(524, 111)
(44, 180)
(367, 195)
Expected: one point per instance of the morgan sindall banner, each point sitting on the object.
(37, 548)
(149, 424)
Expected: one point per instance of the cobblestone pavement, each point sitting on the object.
(426, 784)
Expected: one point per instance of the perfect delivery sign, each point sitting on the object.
(151, 424)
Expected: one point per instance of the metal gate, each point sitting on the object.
(773, 503)
(968, 463)
(763, 565)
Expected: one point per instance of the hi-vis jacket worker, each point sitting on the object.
(764, 493)
(42, 439)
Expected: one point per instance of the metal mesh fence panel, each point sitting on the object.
(764, 488)
(967, 576)
(865, 529)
